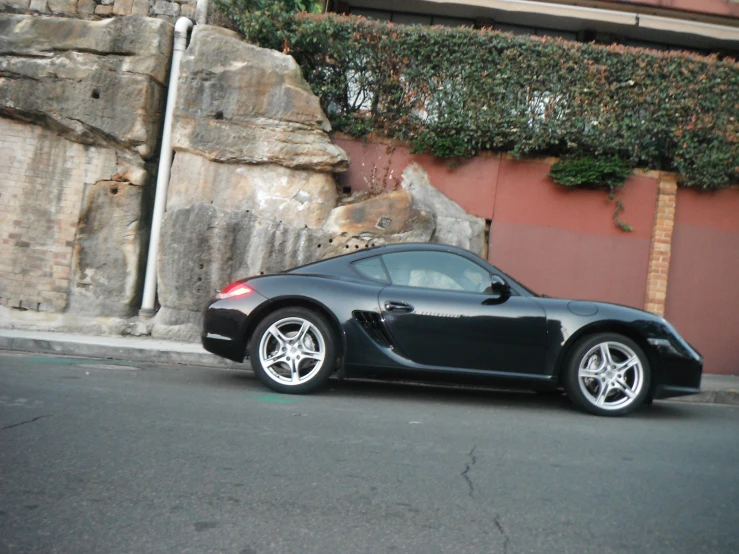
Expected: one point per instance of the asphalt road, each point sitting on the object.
(102, 456)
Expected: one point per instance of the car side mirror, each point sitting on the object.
(499, 287)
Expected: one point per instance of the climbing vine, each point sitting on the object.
(607, 173)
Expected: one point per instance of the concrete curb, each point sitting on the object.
(117, 349)
(727, 397)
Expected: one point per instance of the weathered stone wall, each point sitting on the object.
(80, 112)
(42, 182)
(97, 9)
(252, 188)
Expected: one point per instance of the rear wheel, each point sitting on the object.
(293, 350)
(607, 374)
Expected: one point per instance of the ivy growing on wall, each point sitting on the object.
(455, 92)
(607, 173)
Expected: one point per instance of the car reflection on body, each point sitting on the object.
(434, 312)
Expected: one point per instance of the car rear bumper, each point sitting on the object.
(225, 325)
(223, 346)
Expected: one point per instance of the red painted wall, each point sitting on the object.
(703, 286)
(562, 242)
(470, 184)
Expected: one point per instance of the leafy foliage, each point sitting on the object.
(455, 92)
(605, 172)
(594, 173)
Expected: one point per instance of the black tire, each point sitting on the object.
(284, 352)
(614, 388)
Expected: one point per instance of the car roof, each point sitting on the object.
(414, 246)
(383, 249)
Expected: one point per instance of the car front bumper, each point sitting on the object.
(680, 374)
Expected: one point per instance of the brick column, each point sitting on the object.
(659, 256)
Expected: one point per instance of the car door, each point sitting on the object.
(439, 314)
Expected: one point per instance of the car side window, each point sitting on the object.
(436, 270)
(372, 268)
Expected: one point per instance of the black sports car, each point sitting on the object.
(427, 311)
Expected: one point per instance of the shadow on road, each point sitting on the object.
(417, 392)
(451, 394)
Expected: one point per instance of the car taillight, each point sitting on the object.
(234, 289)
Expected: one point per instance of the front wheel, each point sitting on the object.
(293, 350)
(607, 374)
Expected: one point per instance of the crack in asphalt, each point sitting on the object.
(506, 540)
(496, 517)
(467, 468)
(24, 422)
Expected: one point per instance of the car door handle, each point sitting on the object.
(398, 307)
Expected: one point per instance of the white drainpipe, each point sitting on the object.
(181, 29)
(201, 12)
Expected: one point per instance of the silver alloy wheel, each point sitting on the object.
(610, 375)
(292, 351)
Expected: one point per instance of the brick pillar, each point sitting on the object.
(659, 256)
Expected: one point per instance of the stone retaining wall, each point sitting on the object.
(96, 9)
(81, 107)
(42, 182)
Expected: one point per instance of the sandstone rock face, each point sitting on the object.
(94, 82)
(384, 215)
(42, 186)
(207, 247)
(252, 191)
(453, 225)
(108, 269)
(239, 103)
(63, 7)
(83, 101)
(15, 4)
(213, 235)
(298, 198)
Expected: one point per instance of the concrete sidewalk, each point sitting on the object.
(137, 349)
(715, 389)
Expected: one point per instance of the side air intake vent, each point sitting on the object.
(373, 326)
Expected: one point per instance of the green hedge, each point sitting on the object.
(455, 92)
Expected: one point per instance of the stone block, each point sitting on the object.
(187, 10)
(386, 214)
(50, 188)
(39, 6)
(122, 7)
(111, 239)
(15, 4)
(86, 7)
(195, 256)
(453, 225)
(140, 7)
(253, 106)
(297, 198)
(65, 7)
(101, 9)
(162, 7)
(93, 82)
